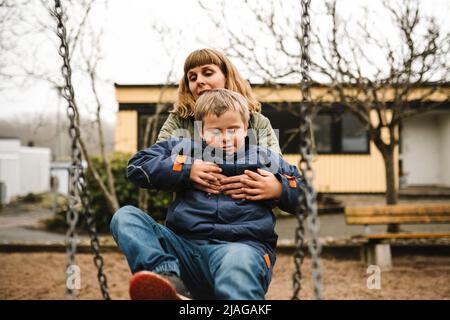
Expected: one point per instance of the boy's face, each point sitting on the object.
(227, 131)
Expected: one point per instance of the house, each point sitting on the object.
(346, 160)
(425, 149)
(23, 170)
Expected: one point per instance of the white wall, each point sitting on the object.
(445, 149)
(10, 174)
(60, 171)
(23, 169)
(34, 170)
(426, 149)
(9, 166)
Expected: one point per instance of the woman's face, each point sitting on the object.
(203, 78)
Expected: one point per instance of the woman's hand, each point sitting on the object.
(203, 175)
(262, 186)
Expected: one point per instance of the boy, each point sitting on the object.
(214, 245)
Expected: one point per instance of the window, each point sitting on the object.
(335, 131)
(284, 120)
(354, 135)
(322, 133)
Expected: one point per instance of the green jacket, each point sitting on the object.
(259, 123)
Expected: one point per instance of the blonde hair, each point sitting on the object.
(185, 103)
(219, 101)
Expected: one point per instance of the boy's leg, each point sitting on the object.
(151, 246)
(143, 241)
(238, 271)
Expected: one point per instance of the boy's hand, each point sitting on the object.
(203, 175)
(232, 186)
(262, 186)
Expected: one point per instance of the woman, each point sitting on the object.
(152, 248)
(207, 69)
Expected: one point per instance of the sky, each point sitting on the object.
(135, 54)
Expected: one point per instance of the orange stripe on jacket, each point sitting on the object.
(267, 259)
(179, 161)
(292, 182)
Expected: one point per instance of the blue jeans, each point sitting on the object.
(228, 270)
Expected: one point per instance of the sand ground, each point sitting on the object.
(41, 276)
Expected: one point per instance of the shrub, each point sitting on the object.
(127, 194)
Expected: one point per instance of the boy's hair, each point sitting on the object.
(219, 101)
(185, 103)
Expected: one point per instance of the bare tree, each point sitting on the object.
(381, 78)
(151, 130)
(86, 41)
(85, 49)
(399, 88)
(11, 14)
(92, 57)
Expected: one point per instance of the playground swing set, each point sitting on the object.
(79, 197)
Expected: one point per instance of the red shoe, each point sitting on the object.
(146, 285)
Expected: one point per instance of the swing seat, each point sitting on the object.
(146, 285)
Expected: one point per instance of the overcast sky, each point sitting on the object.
(134, 54)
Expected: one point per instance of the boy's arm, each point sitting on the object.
(292, 185)
(292, 182)
(161, 166)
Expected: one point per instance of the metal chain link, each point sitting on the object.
(72, 220)
(78, 194)
(308, 199)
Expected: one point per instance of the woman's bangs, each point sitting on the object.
(200, 58)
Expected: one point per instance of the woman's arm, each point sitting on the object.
(265, 134)
(170, 126)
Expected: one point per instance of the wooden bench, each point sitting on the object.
(376, 251)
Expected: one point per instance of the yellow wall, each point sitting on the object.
(145, 94)
(349, 173)
(352, 172)
(126, 131)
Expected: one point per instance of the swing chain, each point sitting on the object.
(299, 251)
(78, 194)
(308, 199)
(72, 217)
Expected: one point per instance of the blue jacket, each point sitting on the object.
(194, 214)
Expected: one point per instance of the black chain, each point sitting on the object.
(78, 194)
(307, 200)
